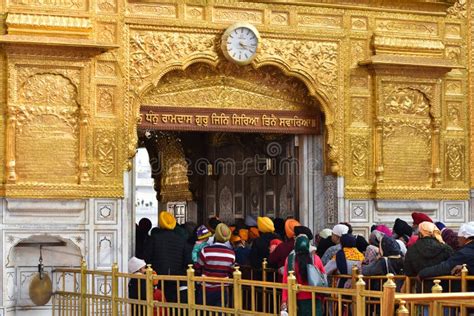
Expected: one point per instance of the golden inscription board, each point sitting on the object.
(362, 68)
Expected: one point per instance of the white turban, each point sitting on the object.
(466, 230)
(340, 229)
(325, 233)
(135, 264)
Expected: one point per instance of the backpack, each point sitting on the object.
(315, 277)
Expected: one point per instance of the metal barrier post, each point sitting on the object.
(292, 293)
(360, 298)
(83, 288)
(464, 273)
(436, 288)
(388, 296)
(402, 310)
(191, 290)
(264, 279)
(264, 269)
(149, 290)
(237, 290)
(114, 290)
(354, 275)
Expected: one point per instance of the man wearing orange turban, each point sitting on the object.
(282, 251)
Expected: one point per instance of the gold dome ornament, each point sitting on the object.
(240, 43)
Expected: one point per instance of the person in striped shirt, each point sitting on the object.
(216, 261)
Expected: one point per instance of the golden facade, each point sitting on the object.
(392, 81)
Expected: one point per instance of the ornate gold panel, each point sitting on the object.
(318, 20)
(231, 86)
(220, 14)
(169, 54)
(105, 100)
(105, 152)
(66, 5)
(360, 156)
(398, 27)
(280, 18)
(154, 9)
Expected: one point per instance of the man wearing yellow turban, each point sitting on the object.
(261, 245)
(265, 225)
(166, 251)
(166, 221)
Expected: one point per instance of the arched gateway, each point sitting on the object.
(232, 141)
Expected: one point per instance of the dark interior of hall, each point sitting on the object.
(229, 175)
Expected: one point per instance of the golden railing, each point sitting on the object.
(88, 292)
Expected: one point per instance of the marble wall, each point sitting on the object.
(94, 229)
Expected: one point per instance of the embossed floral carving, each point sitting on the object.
(106, 151)
(359, 155)
(417, 127)
(458, 10)
(48, 89)
(358, 109)
(454, 115)
(231, 86)
(50, 4)
(26, 114)
(151, 50)
(407, 26)
(105, 100)
(106, 69)
(253, 16)
(407, 101)
(321, 59)
(455, 157)
(108, 6)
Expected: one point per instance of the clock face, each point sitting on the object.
(240, 43)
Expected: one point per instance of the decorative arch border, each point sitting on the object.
(326, 92)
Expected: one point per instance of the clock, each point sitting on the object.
(240, 43)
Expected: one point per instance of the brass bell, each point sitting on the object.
(41, 289)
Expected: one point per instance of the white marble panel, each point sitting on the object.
(106, 248)
(454, 211)
(105, 212)
(358, 211)
(29, 211)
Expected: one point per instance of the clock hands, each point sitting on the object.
(245, 46)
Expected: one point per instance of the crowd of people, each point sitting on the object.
(423, 249)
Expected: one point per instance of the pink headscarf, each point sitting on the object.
(384, 229)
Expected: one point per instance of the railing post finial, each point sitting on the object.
(402, 310)
(436, 288)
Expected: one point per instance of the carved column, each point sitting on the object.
(10, 145)
(83, 164)
(435, 149)
(378, 151)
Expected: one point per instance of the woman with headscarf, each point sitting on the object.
(390, 261)
(428, 250)
(372, 252)
(298, 262)
(465, 255)
(345, 259)
(278, 257)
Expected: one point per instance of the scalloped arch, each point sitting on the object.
(213, 60)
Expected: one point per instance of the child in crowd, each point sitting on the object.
(202, 235)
